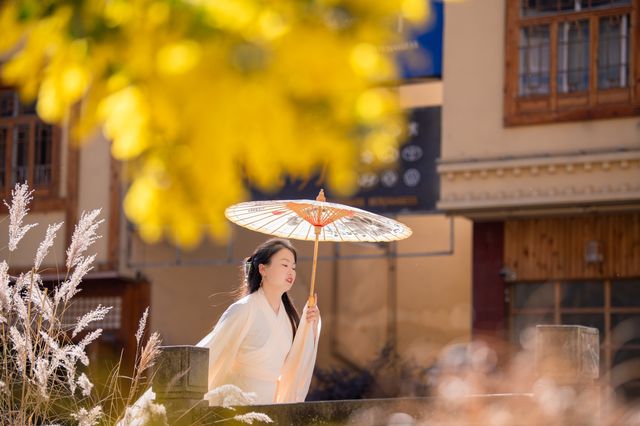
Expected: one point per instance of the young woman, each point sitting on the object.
(251, 345)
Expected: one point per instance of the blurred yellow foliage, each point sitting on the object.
(201, 96)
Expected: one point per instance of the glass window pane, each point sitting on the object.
(603, 4)
(567, 6)
(533, 295)
(623, 355)
(625, 329)
(625, 371)
(539, 7)
(534, 60)
(582, 294)
(42, 172)
(28, 108)
(20, 162)
(7, 103)
(527, 7)
(526, 323)
(613, 52)
(573, 56)
(588, 320)
(625, 293)
(530, 8)
(4, 132)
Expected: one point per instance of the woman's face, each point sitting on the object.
(280, 272)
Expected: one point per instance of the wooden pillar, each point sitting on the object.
(489, 316)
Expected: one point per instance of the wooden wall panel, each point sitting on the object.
(554, 248)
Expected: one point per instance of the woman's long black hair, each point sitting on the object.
(262, 256)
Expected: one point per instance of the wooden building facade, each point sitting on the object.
(542, 151)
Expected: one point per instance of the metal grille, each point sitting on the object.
(82, 305)
(3, 153)
(20, 160)
(573, 56)
(534, 60)
(613, 52)
(530, 8)
(42, 172)
(7, 103)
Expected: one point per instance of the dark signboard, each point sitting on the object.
(412, 186)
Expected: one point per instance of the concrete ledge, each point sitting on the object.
(355, 412)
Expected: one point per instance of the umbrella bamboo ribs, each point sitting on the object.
(328, 221)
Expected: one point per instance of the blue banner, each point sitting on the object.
(420, 55)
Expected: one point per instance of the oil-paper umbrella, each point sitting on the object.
(319, 221)
(315, 220)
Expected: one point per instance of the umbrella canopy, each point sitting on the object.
(299, 219)
(315, 220)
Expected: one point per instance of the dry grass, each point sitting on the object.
(42, 371)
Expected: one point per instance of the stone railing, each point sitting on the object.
(180, 382)
(569, 355)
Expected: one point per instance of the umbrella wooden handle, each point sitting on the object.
(312, 299)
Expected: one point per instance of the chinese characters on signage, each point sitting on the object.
(411, 186)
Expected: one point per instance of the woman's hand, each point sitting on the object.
(313, 317)
(313, 313)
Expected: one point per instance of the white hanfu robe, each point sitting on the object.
(251, 347)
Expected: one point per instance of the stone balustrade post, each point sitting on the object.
(180, 382)
(568, 354)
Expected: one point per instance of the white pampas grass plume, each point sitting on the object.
(75, 353)
(96, 314)
(84, 235)
(144, 412)
(51, 344)
(46, 244)
(51, 347)
(86, 340)
(23, 348)
(20, 198)
(21, 282)
(253, 417)
(20, 307)
(229, 396)
(85, 384)
(70, 365)
(5, 290)
(88, 418)
(69, 288)
(150, 352)
(42, 302)
(142, 325)
(41, 374)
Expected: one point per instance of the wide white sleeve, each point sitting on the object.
(297, 371)
(224, 341)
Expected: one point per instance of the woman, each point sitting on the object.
(251, 345)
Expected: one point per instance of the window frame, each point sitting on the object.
(607, 347)
(46, 197)
(558, 107)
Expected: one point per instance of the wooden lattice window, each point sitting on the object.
(571, 60)
(29, 148)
